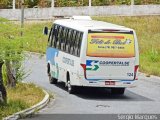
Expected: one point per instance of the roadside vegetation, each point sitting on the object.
(65, 3)
(14, 95)
(33, 37)
(21, 97)
(71, 3)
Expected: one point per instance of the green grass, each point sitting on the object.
(33, 38)
(20, 98)
(12, 107)
(3, 20)
(23, 95)
(148, 33)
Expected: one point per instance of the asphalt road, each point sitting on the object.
(143, 99)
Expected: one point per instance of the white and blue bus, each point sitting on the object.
(85, 52)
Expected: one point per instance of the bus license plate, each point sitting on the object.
(109, 82)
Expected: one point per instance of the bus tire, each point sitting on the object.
(52, 80)
(70, 88)
(119, 91)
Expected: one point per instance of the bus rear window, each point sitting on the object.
(114, 45)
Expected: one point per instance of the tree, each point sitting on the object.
(11, 54)
(3, 94)
(5, 4)
(31, 3)
(11, 48)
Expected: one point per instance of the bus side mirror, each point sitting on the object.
(45, 31)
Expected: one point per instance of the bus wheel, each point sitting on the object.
(70, 88)
(51, 79)
(119, 91)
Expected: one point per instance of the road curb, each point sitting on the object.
(30, 111)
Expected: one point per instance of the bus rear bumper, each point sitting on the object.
(109, 83)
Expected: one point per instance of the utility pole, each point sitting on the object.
(132, 7)
(52, 8)
(22, 16)
(52, 4)
(90, 3)
(132, 2)
(14, 4)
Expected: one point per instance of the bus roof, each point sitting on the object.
(89, 24)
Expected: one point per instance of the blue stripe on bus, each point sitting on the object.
(51, 53)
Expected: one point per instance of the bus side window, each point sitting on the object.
(50, 38)
(79, 43)
(59, 38)
(62, 38)
(72, 42)
(76, 43)
(68, 41)
(55, 36)
(65, 39)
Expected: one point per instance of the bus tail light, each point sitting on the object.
(135, 72)
(84, 68)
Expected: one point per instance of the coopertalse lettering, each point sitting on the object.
(114, 63)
